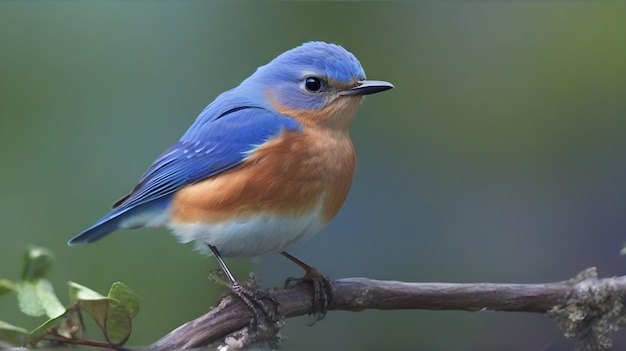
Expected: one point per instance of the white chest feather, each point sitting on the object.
(252, 236)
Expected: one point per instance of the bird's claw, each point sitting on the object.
(253, 298)
(323, 293)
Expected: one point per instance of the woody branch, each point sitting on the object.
(585, 307)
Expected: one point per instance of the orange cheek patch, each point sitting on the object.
(338, 112)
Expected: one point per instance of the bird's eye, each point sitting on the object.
(313, 84)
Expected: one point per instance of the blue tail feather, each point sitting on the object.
(100, 229)
(152, 214)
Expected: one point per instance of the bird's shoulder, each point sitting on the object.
(220, 139)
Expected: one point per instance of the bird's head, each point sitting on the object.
(316, 82)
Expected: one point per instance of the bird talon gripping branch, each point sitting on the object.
(253, 298)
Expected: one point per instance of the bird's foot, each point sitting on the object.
(323, 293)
(254, 299)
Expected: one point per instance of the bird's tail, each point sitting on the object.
(100, 229)
(151, 214)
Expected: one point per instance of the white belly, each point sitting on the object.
(252, 236)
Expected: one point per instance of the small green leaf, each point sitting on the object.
(81, 292)
(92, 302)
(39, 332)
(126, 296)
(6, 286)
(118, 324)
(12, 334)
(37, 298)
(112, 313)
(123, 308)
(37, 262)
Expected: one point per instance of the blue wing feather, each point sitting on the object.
(214, 143)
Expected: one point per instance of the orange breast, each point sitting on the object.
(286, 176)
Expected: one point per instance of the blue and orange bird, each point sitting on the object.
(264, 166)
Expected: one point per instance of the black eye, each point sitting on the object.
(313, 84)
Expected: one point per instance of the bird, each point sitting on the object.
(264, 166)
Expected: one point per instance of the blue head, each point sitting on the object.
(315, 81)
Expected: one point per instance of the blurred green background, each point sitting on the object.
(500, 156)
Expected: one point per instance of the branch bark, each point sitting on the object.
(584, 307)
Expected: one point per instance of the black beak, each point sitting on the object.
(367, 87)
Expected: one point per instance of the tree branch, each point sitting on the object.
(584, 307)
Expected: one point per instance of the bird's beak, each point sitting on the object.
(367, 87)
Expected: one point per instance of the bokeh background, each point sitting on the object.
(499, 157)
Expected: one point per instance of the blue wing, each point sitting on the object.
(212, 145)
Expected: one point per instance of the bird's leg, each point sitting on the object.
(250, 296)
(322, 287)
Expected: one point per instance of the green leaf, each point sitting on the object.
(112, 313)
(37, 262)
(123, 308)
(80, 292)
(12, 334)
(126, 296)
(118, 325)
(6, 286)
(36, 298)
(95, 304)
(39, 332)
